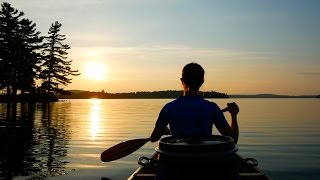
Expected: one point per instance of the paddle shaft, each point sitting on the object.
(122, 149)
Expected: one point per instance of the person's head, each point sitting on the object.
(192, 76)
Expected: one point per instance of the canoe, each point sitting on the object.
(248, 169)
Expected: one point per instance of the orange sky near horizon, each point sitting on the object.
(226, 72)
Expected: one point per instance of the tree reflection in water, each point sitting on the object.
(34, 142)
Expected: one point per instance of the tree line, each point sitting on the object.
(27, 57)
(136, 95)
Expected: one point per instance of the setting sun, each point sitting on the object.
(96, 71)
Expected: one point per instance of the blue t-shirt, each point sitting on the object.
(191, 116)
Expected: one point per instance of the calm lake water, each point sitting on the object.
(282, 134)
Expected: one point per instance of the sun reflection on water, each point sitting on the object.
(95, 117)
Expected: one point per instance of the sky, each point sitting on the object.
(244, 46)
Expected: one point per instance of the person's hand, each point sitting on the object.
(167, 131)
(232, 108)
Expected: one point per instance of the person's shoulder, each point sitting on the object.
(171, 103)
(210, 103)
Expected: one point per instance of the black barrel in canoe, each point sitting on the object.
(197, 158)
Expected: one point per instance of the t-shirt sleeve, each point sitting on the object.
(220, 119)
(163, 121)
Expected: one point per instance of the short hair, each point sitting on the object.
(193, 75)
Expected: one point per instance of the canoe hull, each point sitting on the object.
(248, 169)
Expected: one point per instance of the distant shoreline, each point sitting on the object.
(136, 95)
(78, 94)
(169, 94)
(272, 96)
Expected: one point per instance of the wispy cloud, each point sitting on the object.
(312, 74)
(174, 51)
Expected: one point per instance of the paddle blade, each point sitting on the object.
(122, 149)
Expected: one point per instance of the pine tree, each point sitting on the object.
(9, 22)
(30, 55)
(56, 70)
(19, 44)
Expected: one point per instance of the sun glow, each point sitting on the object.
(96, 71)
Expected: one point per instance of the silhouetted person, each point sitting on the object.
(190, 115)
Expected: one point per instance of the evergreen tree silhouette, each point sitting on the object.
(9, 20)
(56, 70)
(29, 55)
(19, 51)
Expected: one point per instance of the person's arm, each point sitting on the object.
(160, 128)
(231, 130)
(158, 132)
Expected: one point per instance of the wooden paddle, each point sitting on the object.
(122, 149)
